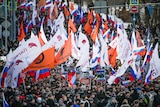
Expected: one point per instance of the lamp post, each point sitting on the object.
(6, 37)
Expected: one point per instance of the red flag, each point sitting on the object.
(71, 26)
(112, 54)
(22, 34)
(94, 34)
(64, 53)
(44, 60)
(66, 12)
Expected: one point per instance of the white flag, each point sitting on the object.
(84, 52)
(75, 50)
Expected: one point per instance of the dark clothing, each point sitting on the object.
(51, 103)
(156, 100)
(17, 104)
(32, 105)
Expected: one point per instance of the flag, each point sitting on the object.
(30, 50)
(71, 7)
(54, 13)
(21, 34)
(139, 40)
(128, 62)
(132, 74)
(5, 104)
(95, 54)
(56, 41)
(72, 78)
(64, 53)
(148, 56)
(112, 54)
(42, 74)
(75, 50)
(87, 26)
(41, 36)
(148, 38)
(154, 68)
(44, 60)
(41, 4)
(66, 11)
(71, 26)
(133, 41)
(94, 33)
(19, 79)
(84, 52)
(104, 52)
(123, 45)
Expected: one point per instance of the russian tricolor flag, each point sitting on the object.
(41, 74)
(148, 77)
(19, 80)
(132, 75)
(4, 72)
(148, 56)
(72, 77)
(5, 104)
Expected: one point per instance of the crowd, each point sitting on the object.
(54, 91)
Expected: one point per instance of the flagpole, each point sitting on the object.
(6, 36)
(24, 84)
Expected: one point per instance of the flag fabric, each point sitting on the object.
(87, 26)
(41, 36)
(54, 13)
(66, 11)
(72, 78)
(42, 74)
(21, 33)
(41, 4)
(104, 52)
(148, 38)
(44, 60)
(64, 53)
(75, 50)
(132, 75)
(112, 54)
(84, 52)
(71, 26)
(154, 67)
(128, 62)
(57, 41)
(95, 32)
(148, 56)
(139, 40)
(5, 104)
(123, 45)
(95, 54)
(26, 50)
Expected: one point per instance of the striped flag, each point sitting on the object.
(72, 78)
(41, 74)
(5, 104)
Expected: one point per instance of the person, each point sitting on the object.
(17, 102)
(125, 103)
(44, 104)
(50, 101)
(135, 103)
(156, 101)
(32, 103)
(77, 103)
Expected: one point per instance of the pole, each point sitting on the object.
(6, 38)
(13, 26)
(134, 21)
